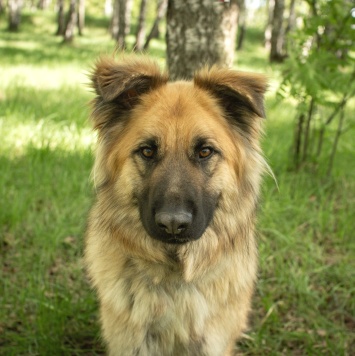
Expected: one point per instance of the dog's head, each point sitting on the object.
(169, 151)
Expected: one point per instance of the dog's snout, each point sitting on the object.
(173, 223)
(174, 210)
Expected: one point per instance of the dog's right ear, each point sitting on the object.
(119, 84)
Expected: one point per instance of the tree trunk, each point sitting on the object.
(81, 17)
(43, 4)
(298, 140)
(140, 35)
(14, 14)
(121, 35)
(128, 16)
(161, 10)
(123, 8)
(268, 29)
(71, 21)
(115, 19)
(307, 130)
(277, 33)
(291, 23)
(336, 140)
(241, 24)
(60, 19)
(200, 32)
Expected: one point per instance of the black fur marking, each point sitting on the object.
(175, 193)
(239, 109)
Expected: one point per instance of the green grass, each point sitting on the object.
(305, 298)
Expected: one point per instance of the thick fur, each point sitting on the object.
(156, 297)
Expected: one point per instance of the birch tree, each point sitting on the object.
(200, 32)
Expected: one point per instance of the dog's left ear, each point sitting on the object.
(240, 94)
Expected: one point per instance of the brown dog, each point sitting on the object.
(170, 243)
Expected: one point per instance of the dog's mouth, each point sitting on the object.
(176, 240)
(173, 239)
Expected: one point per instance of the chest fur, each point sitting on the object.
(165, 304)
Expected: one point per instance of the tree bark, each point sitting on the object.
(115, 19)
(307, 130)
(123, 8)
(291, 24)
(298, 140)
(43, 4)
(81, 17)
(14, 14)
(277, 33)
(161, 11)
(336, 140)
(60, 19)
(268, 29)
(121, 35)
(71, 21)
(200, 32)
(140, 35)
(241, 24)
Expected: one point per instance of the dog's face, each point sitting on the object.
(174, 146)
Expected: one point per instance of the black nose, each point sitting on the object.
(173, 223)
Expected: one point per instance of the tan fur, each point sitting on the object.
(156, 298)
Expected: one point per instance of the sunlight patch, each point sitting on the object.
(44, 77)
(17, 139)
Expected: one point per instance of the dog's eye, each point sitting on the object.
(148, 152)
(205, 152)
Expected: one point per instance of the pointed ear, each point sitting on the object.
(241, 95)
(119, 85)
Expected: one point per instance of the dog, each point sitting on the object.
(170, 245)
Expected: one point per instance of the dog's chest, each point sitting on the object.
(166, 308)
(182, 309)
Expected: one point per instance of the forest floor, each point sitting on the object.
(305, 297)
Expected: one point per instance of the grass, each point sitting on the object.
(305, 298)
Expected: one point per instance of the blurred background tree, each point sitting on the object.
(200, 32)
(60, 19)
(160, 13)
(319, 74)
(140, 33)
(75, 18)
(121, 21)
(71, 21)
(14, 14)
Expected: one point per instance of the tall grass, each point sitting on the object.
(305, 298)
